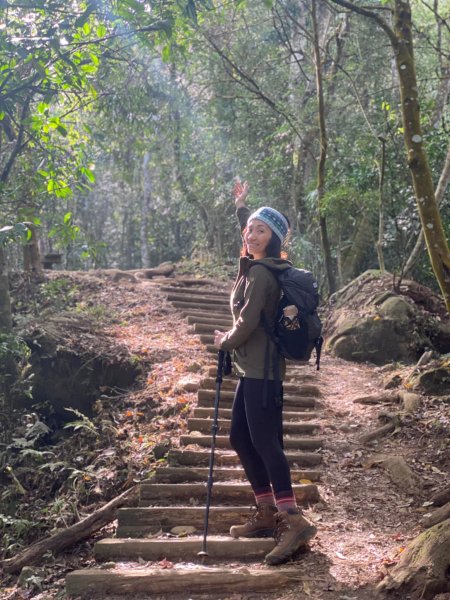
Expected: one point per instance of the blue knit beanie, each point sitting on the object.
(273, 219)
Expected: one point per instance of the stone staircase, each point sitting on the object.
(148, 556)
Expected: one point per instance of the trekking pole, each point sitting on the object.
(220, 360)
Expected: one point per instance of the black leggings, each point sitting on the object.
(257, 437)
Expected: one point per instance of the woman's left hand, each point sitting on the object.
(218, 337)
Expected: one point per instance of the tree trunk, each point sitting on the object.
(329, 267)
(145, 209)
(8, 368)
(440, 191)
(32, 263)
(354, 255)
(382, 165)
(430, 217)
(5, 300)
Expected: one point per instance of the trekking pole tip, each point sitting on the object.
(202, 554)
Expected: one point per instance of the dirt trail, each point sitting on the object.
(364, 521)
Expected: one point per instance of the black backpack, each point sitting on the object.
(297, 337)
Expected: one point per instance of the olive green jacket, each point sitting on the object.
(256, 292)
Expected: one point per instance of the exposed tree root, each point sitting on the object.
(423, 569)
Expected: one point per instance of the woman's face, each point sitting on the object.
(257, 235)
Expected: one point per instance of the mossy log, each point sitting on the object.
(422, 571)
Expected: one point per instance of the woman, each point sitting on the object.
(256, 421)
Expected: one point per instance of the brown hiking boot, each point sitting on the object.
(292, 531)
(260, 524)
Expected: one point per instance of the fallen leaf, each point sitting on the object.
(165, 564)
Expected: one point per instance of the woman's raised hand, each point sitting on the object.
(240, 192)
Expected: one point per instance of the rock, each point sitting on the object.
(108, 565)
(194, 367)
(396, 308)
(370, 321)
(187, 384)
(183, 530)
(411, 402)
(434, 381)
(392, 381)
(371, 339)
(160, 450)
(27, 575)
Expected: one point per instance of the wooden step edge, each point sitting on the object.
(198, 474)
(299, 404)
(126, 581)
(223, 493)
(204, 425)
(223, 441)
(225, 457)
(206, 412)
(181, 548)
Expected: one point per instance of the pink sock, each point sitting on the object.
(286, 502)
(265, 498)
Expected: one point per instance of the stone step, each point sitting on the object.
(227, 458)
(167, 494)
(203, 412)
(205, 426)
(186, 549)
(154, 582)
(223, 441)
(205, 398)
(200, 474)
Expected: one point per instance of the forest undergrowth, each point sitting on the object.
(54, 472)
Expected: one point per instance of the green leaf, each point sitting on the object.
(101, 30)
(165, 53)
(82, 19)
(268, 3)
(42, 108)
(67, 217)
(88, 174)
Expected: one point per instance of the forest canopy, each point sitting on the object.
(122, 126)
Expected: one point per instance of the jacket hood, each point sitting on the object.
(274, 264)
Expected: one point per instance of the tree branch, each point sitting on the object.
(371, 15)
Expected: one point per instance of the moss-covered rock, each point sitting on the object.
(372, 321)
